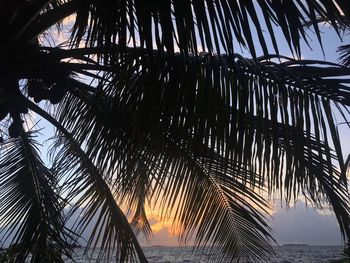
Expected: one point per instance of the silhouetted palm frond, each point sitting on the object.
(97, 207)
(345, 55)
(31, 210)
(190, 152)
(85, 185)
(192, 26)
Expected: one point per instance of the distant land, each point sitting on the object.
(295, 245)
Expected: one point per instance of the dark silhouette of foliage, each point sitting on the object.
(152, 105)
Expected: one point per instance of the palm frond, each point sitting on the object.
(210, 26)
(97, 208)
(31, 211)
(234, 124)
(157, 165)
(86, 187)
(140, 223)
(216, 202)
(136, 196)
(344, 55)
(190, 27)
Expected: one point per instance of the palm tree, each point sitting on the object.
(152, 106)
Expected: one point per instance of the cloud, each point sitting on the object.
(162, 238)
(302, 225)
(295, 225)
(165, 232)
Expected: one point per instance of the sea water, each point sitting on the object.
(284, 254)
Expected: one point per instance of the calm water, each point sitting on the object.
(286, 254)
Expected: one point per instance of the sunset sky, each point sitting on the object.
(296, 225)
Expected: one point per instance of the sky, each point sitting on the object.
(298, 224)
(307, 226)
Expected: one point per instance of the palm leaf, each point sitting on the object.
(250, 115)
(190, 27)
(31, 212)
(210, 26)
(345, 55)
(85, 186)
(97, 208)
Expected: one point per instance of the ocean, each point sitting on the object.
(284, 254)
